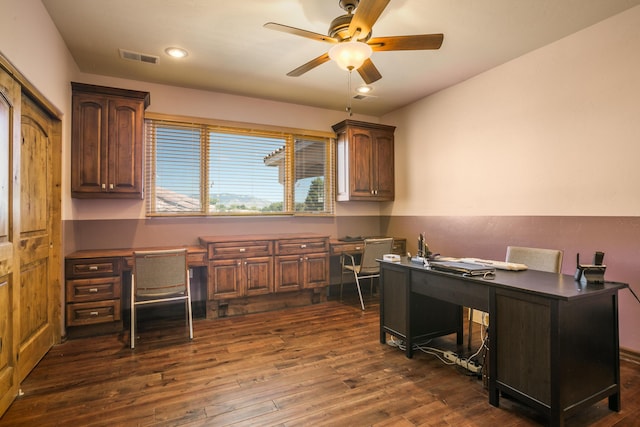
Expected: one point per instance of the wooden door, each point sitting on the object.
(383, 173)
(125, 146)
(89, 144)
(316, 269)
(39, 296)
(289, 273)
(225, 278)
(361, 168)
(258, 275)
(9, 265)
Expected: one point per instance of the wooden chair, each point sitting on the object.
(535, 259)
(369, 267)
(160, 276)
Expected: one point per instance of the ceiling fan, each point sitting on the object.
(351, 35)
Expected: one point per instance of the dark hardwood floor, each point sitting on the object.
(310, 366)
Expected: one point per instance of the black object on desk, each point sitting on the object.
(553, 344)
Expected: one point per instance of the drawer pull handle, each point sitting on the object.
(242, 250)
(358, 248)
(93, 268)
(93, 314)
(93, 290)
(303, 246)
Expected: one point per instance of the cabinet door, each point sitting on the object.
(316, 270)
(89, 144)
(125, 146)
(289, 273)
(258, 275)
(225, 279)
(383, 166)
(361, 166)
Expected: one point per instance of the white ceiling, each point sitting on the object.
(230, 51)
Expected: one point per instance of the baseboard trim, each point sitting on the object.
(629, 355)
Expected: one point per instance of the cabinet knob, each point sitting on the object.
(110, 186)
(104, 186)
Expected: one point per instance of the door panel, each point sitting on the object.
(36, 301)
(9, 274)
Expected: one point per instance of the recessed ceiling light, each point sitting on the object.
(364, 89)
(176, 52)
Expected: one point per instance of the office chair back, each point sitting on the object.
(373, 250)
(535, 258)
(160, 276)
(160, 273)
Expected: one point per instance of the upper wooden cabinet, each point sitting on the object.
(107, 141)
(365, 168)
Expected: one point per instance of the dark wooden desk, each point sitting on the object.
(553, 344)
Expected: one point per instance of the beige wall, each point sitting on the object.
(554, 132)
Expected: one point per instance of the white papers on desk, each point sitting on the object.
(500, 265)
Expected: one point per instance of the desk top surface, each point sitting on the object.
(549, 285)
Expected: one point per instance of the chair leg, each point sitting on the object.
(359, 291)
(132, 335)
(189, 318)
(470, 328)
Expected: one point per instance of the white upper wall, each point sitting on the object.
(554, 132)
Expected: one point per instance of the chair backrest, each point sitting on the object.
(373, 250)
(160, 273)
(535, 258)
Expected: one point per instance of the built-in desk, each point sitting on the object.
(553, 344)
(231, 275)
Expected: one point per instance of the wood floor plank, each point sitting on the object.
(320, 365)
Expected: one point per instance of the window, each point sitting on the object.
(210, 168)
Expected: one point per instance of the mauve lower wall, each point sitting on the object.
(131, 233)
(488, 236)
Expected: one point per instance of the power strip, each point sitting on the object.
(469, 365)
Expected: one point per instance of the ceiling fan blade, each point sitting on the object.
(367, 13)
(419, 42)
(369, 72)
(299, 32)
(309, 65)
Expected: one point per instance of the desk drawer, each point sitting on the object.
(349, 248)
(96, 289)
(89, 313)
(468, 293)
(301, 246)
(92, 267)
(226, 250)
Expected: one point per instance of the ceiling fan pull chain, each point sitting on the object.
(349, 94)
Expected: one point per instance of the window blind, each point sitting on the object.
(204, 169)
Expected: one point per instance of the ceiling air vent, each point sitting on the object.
(137, 56)
(362, 97)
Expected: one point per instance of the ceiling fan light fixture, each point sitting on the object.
(176, 52)
(364, 89)
(350, 55)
